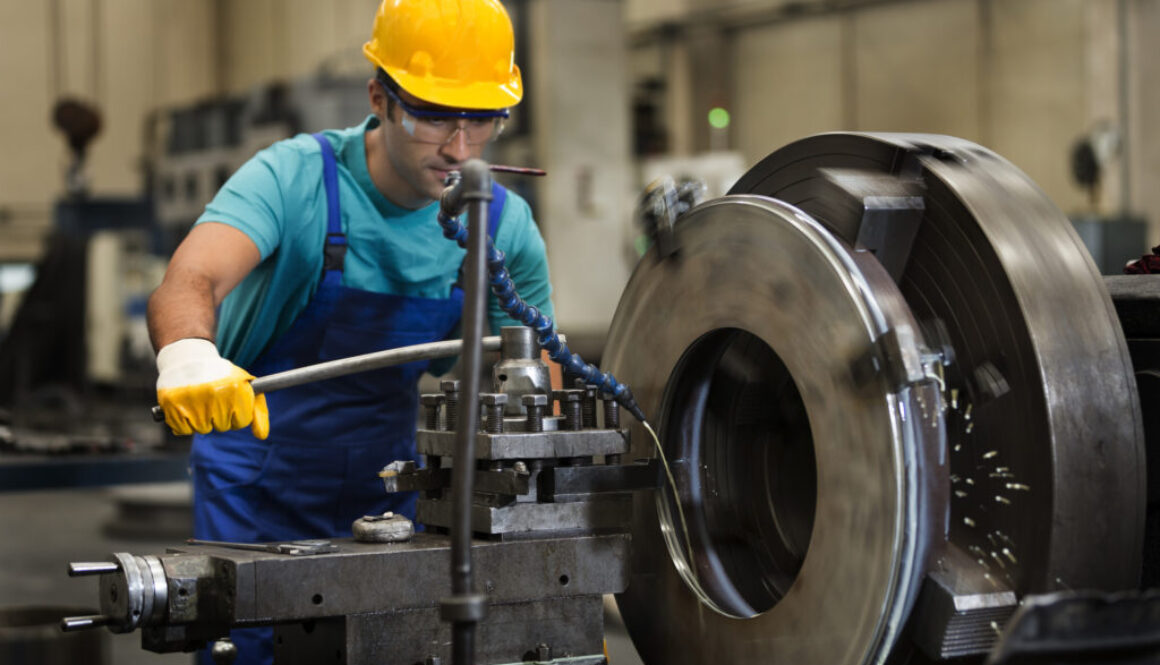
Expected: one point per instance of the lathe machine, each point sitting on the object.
(897, 407)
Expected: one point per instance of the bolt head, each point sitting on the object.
(588, 388)
(449, 385)
(432, 399)
(494, 399)
(534, 399)
(568, 395)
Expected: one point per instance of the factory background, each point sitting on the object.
(619, 92)
(613, 87)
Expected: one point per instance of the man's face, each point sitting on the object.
(422, 166)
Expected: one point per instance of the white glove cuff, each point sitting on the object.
(190, 361)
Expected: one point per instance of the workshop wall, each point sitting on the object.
(127, 57)
(578, 90)
(269, 39)
(1027, 79)
(130, 58)
(1014, 81)
(1143, 26)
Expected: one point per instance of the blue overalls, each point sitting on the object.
(318, 470)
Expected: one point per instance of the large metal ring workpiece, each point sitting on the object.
(876, 351)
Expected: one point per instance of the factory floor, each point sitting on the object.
(43, 531)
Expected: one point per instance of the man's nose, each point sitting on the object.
(456, 147)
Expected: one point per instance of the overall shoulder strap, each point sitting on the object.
(495, 209)
(335, 251)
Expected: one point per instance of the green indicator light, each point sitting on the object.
(719, 118)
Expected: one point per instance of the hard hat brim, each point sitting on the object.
(434, 90)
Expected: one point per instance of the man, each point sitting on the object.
(324, 247)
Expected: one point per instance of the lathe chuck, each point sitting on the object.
(880, 358)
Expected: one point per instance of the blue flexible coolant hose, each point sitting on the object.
(510, 301)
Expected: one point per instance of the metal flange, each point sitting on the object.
(807, 463)
(1044, 424)
(744, 344)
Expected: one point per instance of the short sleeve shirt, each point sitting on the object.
(278, 200)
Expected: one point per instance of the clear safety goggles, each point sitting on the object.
(440, 127)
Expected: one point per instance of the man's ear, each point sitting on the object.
(378, 98)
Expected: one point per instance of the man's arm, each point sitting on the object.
(198, 390)
(208, 264)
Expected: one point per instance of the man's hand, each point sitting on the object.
(200, 391)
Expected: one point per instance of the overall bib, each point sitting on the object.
(318, 470)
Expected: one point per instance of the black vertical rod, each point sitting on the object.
(476, 194)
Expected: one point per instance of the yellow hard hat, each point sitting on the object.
(458, 53)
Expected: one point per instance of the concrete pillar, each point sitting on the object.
(1142, 24)
(579, 95)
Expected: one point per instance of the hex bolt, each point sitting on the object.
(588, 403)
(493, 404)
(571, 407)
(450, 390)
(611, 411)
(432, 402)
(543, 653)
(535, 403)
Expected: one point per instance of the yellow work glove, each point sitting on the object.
(200, 391)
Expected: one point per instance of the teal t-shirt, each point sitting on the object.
(277, 198)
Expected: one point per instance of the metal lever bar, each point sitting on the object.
(254, 547)
(293, 548)
(70, 624)
(517, 170)
(82, 569)
(355, 364)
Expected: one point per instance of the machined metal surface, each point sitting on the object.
(528, 445)
(960, 607)
(365, 577)
(578, 483)
(524, 519)
(134, 591)
(520, 371)
(191, 596)
(1002, 267)
(751, 346)
(570, 630)
(804, 483)
(500, 481)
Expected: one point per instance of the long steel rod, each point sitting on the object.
(365, 363)
(355, 364)
(476, 193)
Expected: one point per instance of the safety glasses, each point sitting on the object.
(440, 127)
